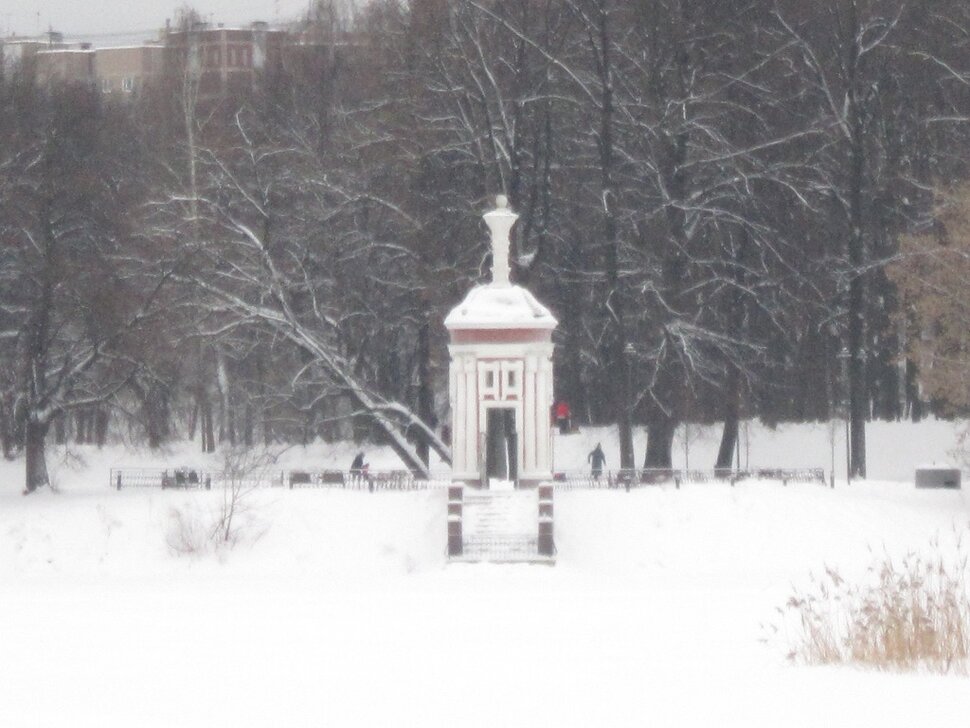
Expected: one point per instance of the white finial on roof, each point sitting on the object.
(500, 222)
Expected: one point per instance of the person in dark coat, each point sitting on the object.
(597, 459)
(359, 471)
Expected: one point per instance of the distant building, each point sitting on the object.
(22, 50)
(127, 69)
(48, 58)
(65, 65)
(223, 60)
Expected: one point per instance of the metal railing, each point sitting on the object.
(403, 480)
(637, 478)
(370, 480)
(163, 478)
(192, 478)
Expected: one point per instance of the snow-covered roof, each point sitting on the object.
(150, 46)
(64, 51)
(117, 40)
(500, 307)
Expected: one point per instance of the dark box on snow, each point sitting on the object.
(937, 477)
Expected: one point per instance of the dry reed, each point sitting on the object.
(908, 614)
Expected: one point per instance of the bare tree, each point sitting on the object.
(259, 265)
(861, 60)
(75, 299)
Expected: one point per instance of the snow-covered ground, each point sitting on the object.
(337, 609)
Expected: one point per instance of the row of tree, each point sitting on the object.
(711, 194)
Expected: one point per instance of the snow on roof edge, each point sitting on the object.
(489, 306)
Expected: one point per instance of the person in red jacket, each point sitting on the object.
(563, 416)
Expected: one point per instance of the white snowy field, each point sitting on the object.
(338, 609)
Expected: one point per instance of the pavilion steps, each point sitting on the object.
(500, 526)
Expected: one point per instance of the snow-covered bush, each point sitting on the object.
(195, 529)
(189, 532)
(907, 614)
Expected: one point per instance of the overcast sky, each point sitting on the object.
(95, 17)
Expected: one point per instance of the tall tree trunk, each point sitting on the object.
(225, 414)
(248, 425)
(6, 431)
(425, 388)
(155, 414)
(35, 446)
(857, 381)
(267, 428)
(858, 392)
(264, 412)
(570, 295)
(81, 426)
(576, 393)
(60, 430)
(193, 419)
(619, 356)
(732, 385)
(102, 416)
(660, 441)
(729, 436)
(914, 405)
(207, 426)
(307, 428)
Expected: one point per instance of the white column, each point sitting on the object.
(544, 453)
(530, 414)
(471, 414)
(542, 417)
(456, 391)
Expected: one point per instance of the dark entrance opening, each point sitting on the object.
(501, 444)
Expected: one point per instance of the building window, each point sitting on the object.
(500, 380)
(489, 380)
(106, 85)
(512, 380)
(128, 84)
(230, 57)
